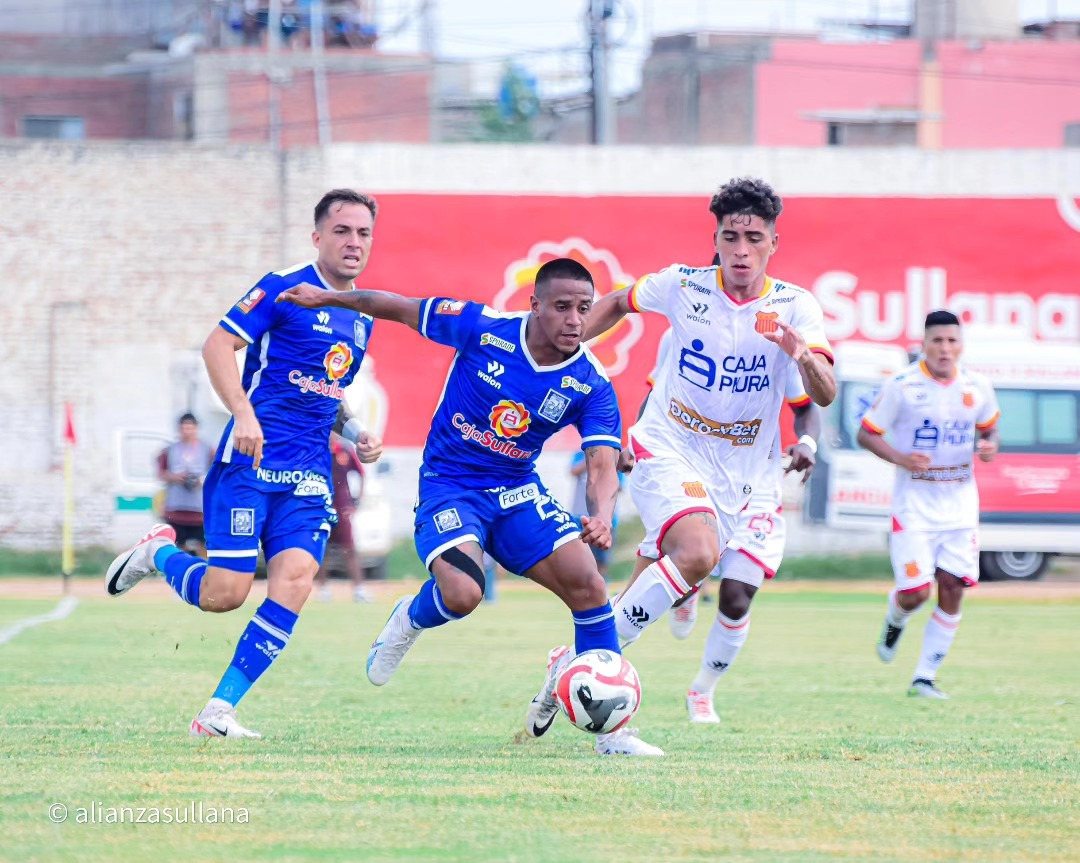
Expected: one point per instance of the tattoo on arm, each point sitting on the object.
(600, 500)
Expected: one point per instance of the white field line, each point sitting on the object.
(62, 610)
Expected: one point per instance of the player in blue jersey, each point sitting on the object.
(515, 381)
(270, 482)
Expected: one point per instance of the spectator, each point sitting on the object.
(346, 478)
(182, 466)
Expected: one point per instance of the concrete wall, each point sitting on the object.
(119, 259)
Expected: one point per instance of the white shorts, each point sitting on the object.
(759, 541)
(664, 489)
(917, 554)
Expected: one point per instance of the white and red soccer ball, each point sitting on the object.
(599, 691)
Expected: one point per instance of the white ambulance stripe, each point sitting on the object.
(264, 342)
(426, 310)
(280, 634)
(250, 552)
(236, 328)
(601, 438)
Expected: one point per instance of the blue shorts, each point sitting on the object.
(281, 509)
(518, 525)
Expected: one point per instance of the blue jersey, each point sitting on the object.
(498, 406)
(298, 365)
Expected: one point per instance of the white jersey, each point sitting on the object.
(921, 414)
(717, 400)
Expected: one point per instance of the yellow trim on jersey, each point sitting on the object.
(634, 307)
(765, 290)
(871, 427)
(990, 422)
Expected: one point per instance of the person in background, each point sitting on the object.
(182, 465)
(344, 473)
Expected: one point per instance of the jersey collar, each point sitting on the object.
(768, 286)
(536, 367)
(926, 371)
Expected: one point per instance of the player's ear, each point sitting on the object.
(775, 242)
(534, 304)
(315, 239)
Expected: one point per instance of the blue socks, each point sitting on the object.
(262, 642)
(595, 630)
(183, 571)
(428, 610)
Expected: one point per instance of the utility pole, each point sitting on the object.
(602, 126)
(428, 28)
(318, 72)
(273, 49)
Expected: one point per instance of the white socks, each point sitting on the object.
(725, 640)
(646, 600)
(896, 616)
(937, 639)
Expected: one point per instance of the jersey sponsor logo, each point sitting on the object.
(509, 419)
(740, 374)
(739, 433)
(243, 522)
(554, 406)
(494, 369)
(487, 439)
(522, 494)
(694, 489)
(765, 322)
(496, 342)
(253, 298)
(291, 477)
(698, 315)
(323, 325)
(958, 432)
(774, 301)
(337, 361)
(449, 307)
(689, 271)
(321, 387)
(926, 437)
(359, 335)
(952, 473)
(446, 520)
(313, 487)
(574, 384)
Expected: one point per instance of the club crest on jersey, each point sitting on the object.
(739, 433)
(574, 384)
(243, 522)
(510, 419)
(449, 307)
(765, 322)
(337, 361)
(496, 342)
(446, 520)
(254, 296)
(359, 336)
(969, 399)
(554, 406)
(694, 489)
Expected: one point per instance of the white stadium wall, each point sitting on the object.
(118, 259)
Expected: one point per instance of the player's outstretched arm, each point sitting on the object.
(808, 428)
(607, 312)
(379, 304)
(876, 443)
(601, 492)
(219, 355)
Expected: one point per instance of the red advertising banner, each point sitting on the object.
(877, 265)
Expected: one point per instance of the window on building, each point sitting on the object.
(861, 134)
(65, 128)
(1072, 134)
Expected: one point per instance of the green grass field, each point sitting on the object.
(820, 756)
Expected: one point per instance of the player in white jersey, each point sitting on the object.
(737, 335)
(932, 412)
(753, 553)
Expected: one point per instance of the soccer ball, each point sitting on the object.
(598, 691)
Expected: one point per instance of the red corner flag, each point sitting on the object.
(69, 424)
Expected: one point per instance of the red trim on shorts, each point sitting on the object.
(769, 573)
(896, 526)
(915, 589)
(640, 453)
(969, 582)
(666, 526)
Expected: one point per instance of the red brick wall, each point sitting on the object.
(112, 108)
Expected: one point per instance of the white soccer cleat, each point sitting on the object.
(682, 618)
(889, 641)
(623, 742)
(922, 687)
(218, 719)
(131, 567)
(544, 708)
(361, 594)
(700, 707)
(397, 636)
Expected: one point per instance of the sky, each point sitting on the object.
(548, 37)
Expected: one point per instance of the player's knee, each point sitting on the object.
(461, 595)
(735, 605)
(585, 592)
(912, 599)
(695, 559)
(224, 597)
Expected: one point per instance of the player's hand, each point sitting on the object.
(305, 295)
(986, 449)
(596, 531)
(368, 447)
(626, 461)
(248, 436)
(790, 340)
(916, 462)
(802, 459)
